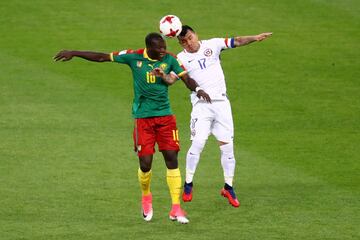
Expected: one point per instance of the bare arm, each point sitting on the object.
(244, 40)
(66, 55)
(167, 78)
(189, 82)
(193, 86)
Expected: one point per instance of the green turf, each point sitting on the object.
(67, 170)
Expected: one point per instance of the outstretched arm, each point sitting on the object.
(244, 40)
(66, 55)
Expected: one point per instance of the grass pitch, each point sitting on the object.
(67, 170)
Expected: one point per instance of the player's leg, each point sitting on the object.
(144, 173)
(168, 142)
(144, 176)
(173, 179)
(227, 161)
(192, 160)
(223, 130)
(144, 141)
(200, 125)
(228, 164)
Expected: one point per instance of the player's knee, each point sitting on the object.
(170, 158)
(228, 149)
(145, 163)
(197, 147)
(145, 168)
(171, 163)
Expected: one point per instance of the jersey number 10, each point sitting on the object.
(150, 78)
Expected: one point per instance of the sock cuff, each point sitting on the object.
(227, 147)
(173, 172)
(145, 174)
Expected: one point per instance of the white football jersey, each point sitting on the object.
(205, 68)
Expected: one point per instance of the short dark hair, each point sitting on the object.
(151, 37)
(185, 29)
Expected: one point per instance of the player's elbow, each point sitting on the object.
(170, 81)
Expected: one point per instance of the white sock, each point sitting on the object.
(228, 162)
(192, 159)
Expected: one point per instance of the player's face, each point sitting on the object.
(190, 42)
(157, 50)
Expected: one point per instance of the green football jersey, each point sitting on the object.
(151, 97)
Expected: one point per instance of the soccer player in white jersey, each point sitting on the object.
(201, 59)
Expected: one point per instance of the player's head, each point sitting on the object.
(155, 45)
(188, 39)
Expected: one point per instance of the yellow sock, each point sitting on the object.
(144, 180)
(173, 179)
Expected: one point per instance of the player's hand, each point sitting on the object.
(203, 95)
(158, 72)
(63, 55)
(263, 36)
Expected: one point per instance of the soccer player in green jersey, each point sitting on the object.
(153, 70)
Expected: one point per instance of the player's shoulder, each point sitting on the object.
(128, 52)
(214, 41)
(136, 52)
(221, 42)
(181, 54)
(171, 55)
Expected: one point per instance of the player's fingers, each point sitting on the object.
(207, 98)
(57, 58)
(155, 71)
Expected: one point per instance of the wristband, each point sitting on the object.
(198, 89)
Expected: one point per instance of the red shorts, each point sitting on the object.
(161, 130)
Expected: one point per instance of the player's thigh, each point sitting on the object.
(223, 126)
(144, 136)
(201, 121)
(167, 134)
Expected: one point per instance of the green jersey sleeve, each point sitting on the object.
(121, 57)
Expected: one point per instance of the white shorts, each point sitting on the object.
(215, 118)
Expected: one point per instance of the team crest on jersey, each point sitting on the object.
(208, 52)
(139, 64)
(163, 66)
